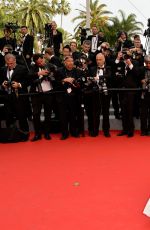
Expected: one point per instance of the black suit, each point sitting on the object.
(13, 102)
(27, 48)
(99, 40)
(4, 41)
(145, 101)
(97, 103)
(55, 41)
(69, 101)
(127, 98)
(44, 99)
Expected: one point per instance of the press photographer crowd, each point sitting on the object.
(68, 83)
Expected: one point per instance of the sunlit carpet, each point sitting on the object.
(77, 184)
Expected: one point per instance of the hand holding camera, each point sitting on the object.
(15, 85)
(43, 72)
(6, 84)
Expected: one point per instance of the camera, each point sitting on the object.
(48, 31)
(48, 27)
(9, 86)
(83, 34)
(102, 85)
(146, 85)
(79, 63)
(12, 26)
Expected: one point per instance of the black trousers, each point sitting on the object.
(127, 108)
(44, 100)
(61, 106)
(73, 107)
(97, 104)
(145, 113)
(15, 107)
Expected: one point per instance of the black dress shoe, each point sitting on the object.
(107, 134)
(130, 134)
(47, 136)
(123, 133)
(64, 137)
(36, 138)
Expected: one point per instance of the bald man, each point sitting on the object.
(99, 102)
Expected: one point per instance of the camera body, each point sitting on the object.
(12, 26)
(8, 84)
(146, 86)
(103, 85)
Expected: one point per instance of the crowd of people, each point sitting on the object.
(69, 82)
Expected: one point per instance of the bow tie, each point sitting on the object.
(100, 68)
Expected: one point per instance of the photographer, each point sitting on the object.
(6, 49)
(26, 45)
(145, 97)
(95, 38)
(127, 96)
(42, 83)
(117, 82)
(69, 102)
(136, 51)
(100, 97)
(7, 39)
(86, 85)
(122, 41)
(14, 81)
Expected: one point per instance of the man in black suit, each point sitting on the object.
(127, 97)
(85, 51)
(14, 82)
(68, 76)
(74, 52)
(145, 97)
(41, 75)
(51, 57)
(26, 45)
(95, 38)
(99, 100)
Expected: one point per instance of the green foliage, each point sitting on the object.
(98, 15)
(122, 23)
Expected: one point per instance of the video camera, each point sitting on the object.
(83, 34)
(12, 26)
(48, 30)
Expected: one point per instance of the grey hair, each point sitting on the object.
(147, 58)
(10, 56)
(86, 42)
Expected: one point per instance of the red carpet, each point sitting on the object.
(78, 184)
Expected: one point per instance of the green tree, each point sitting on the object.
(67, 37)
(34, 14)
(125, 23)
(98, 15)
(63, 8)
